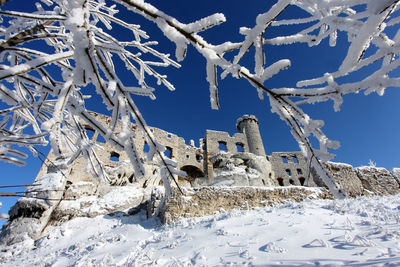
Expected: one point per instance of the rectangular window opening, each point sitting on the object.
(168, 152)
(222, 146)
(239, 147)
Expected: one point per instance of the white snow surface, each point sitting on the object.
(349, 232)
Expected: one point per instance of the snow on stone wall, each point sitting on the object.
(208, 200)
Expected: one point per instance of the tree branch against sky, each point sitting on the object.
(55, 57)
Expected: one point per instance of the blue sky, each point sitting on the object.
(367, 126)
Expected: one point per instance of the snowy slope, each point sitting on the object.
(364, 231)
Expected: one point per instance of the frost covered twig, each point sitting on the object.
(84, 52)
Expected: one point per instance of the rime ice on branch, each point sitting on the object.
(83, 47)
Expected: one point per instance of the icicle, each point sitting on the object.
(333, 38)
(213, 82)
(259, 56)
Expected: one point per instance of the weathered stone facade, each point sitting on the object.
(222, 159)
(289, 168)
(379, 181)
(207, 200)
(346, 177)
(197, 162)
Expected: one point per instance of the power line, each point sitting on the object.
(21, 185)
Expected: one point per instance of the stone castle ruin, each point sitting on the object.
(223, 172)
(220, 159)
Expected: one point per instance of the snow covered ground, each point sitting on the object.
(352, 232)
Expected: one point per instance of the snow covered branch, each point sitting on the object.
(85, 51)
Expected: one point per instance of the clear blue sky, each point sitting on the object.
(367, 126)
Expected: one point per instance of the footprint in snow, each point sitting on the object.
(271, 247)
(317, 243)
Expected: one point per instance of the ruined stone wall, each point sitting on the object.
(205, 166)
(195, 161)
(362, 181)
(208, 200)
(378, 180)
(177, 149)
(214, 140)
(289, 168)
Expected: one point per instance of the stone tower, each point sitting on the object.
(249, 126)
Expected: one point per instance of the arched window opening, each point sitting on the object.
(291, 181)
(299, 171)
(284, 159)
(168, 152)
(288, 172)
(199, 157)
(295, 161)
(114, 156)
(280, 181)
(302, 180)
(146, 148)
(239, 147)
(192, 172)
(263, 181)
(222, 146)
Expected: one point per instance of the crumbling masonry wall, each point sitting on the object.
(367, 180)
(200, 163)
(216, 141)
(290, 168)
(185, 155)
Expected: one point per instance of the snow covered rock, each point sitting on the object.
(30, 215)
(80, 189)
(396, 174)
(378, 180)
(240, 169)
(118, 198)
(346, 177)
